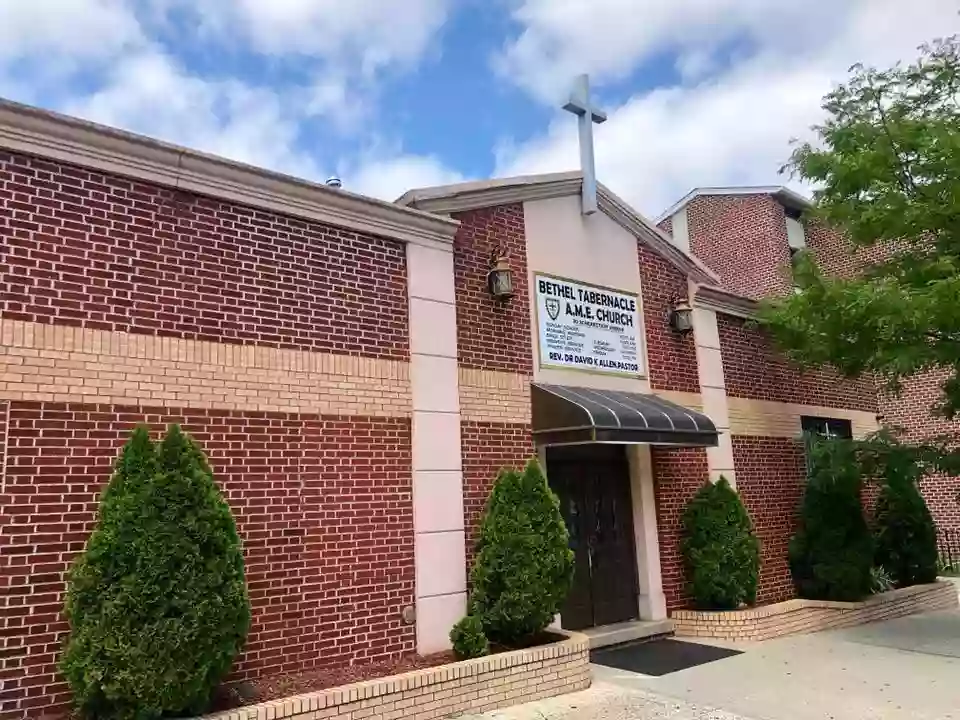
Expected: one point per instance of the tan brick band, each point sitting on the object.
(471, 686)
(806, 616)
(64, 364)
(778, 419)
(494, 396)
(691, 401)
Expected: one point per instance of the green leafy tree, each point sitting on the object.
(886, 168)
(904, 532)
(720, 552)
(524, 567)
(157, 602)
(831, 554)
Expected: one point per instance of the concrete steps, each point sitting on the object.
(625, 632)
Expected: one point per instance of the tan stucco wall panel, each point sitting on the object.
(593, 249)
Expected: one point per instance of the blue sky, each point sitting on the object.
(394, 95)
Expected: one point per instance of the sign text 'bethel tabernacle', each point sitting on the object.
(586, 327)
(592, 297)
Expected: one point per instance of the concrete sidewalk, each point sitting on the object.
(609, 701)
(903, 668)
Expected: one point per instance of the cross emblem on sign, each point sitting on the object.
(579, 105)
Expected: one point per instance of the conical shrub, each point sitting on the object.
(720, 551)
(831, 554)
(904, 532)
(157, 602)
(906, 538)
(524, 567)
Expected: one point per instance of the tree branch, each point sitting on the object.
(904, 177)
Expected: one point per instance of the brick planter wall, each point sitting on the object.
(470, 686)
(805, 616)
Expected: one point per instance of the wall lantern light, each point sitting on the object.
(500, 277)
(681, 316)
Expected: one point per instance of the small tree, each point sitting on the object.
(905, 535)
(832, 552)
(157, 602)
(720, 552)
(524, 568)
(886, 168)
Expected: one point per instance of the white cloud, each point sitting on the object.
(730, 128)
(79, 29)
(609, 38)
(112, 61)
(366, 35)
(388, 177)
(149, 93)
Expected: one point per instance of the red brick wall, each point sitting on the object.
(771, 476)
(672, 357)
(324, 503)
(85, 248)
(754, 369)
(743, 238)
(677, 474)
(911, 410)
(835, 254)
(488, 447)
(323, 506)
(492, 335)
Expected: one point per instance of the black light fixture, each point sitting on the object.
(500, 277)
(681, 316)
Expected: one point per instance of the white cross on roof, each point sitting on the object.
(579, 105)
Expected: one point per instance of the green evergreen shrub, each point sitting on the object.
(831, 554)
(721, 554)
(524, 567)
(904, 533)
(468, 638)
(157, 602)
(905, 536)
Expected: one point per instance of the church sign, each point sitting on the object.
(587, 327)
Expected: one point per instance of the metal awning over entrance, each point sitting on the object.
(565, 415)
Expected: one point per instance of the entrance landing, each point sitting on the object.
(659, 657)
(607, 635)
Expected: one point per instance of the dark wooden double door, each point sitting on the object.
(593, 484)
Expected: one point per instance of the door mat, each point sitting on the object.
(659, 657)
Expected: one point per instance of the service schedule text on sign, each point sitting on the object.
(586, 327)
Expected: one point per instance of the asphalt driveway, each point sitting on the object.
(903, 668)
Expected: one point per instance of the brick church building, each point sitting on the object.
(747, 235)
(358, 372)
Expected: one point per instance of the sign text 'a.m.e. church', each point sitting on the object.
(586, 327)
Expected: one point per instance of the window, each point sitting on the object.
(794, 253)
(827, 427)
(796, 238)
